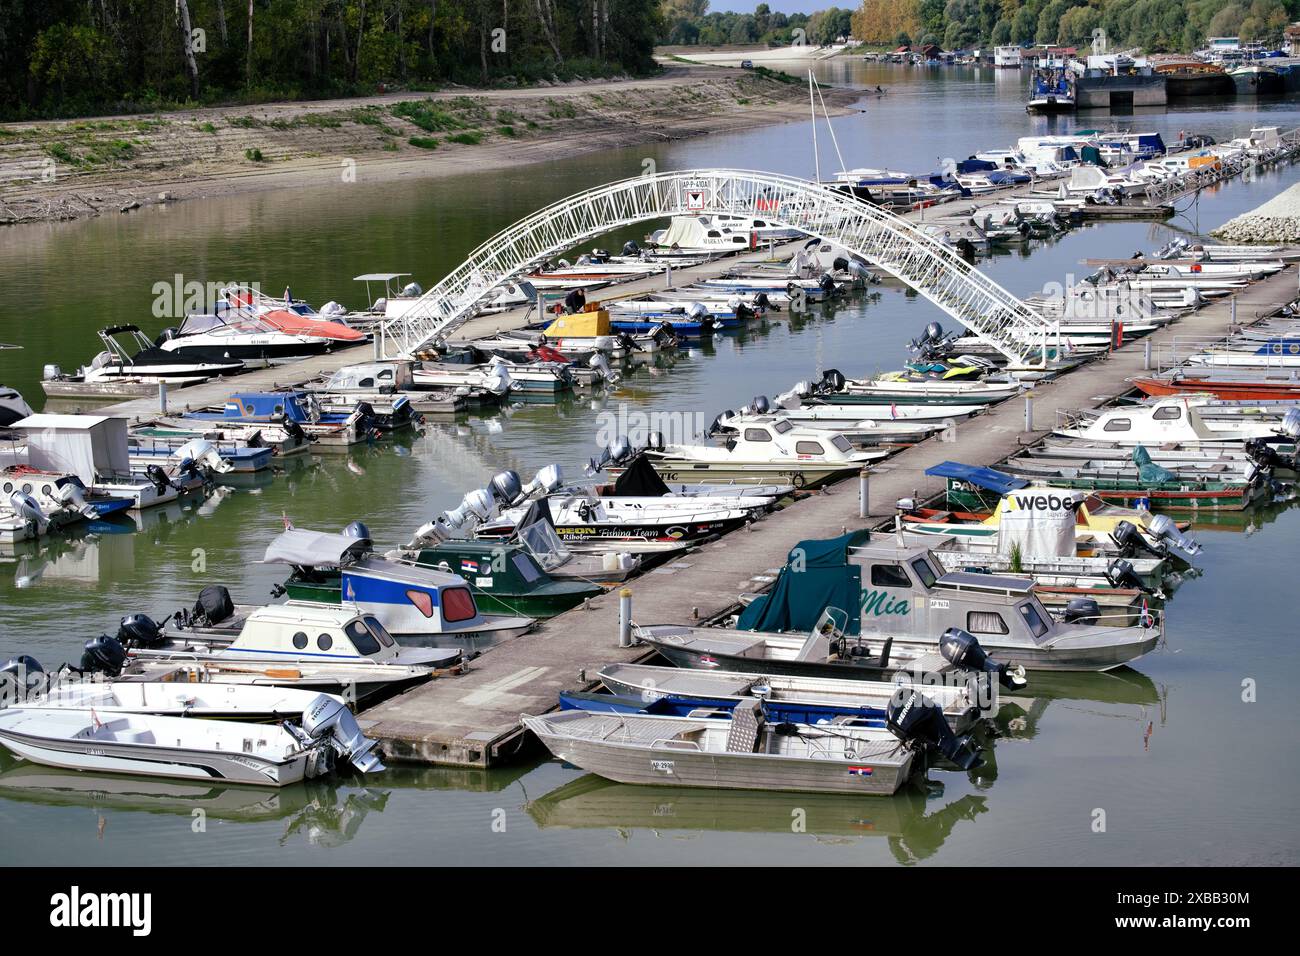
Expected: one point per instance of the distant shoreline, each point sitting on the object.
(51, 171)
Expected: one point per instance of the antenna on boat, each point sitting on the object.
(829, 128)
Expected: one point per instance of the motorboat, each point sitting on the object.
(1051, 90)
(745, 752)
(339, 646)
(1173, 421)
(406, 599)
(95, 451)
(291, 316)
(293, 409)
(248, 338)
(144, 361)
(676, 692)
(862, 431)
(772, 449)
(927, 383)
(904, 602)
(12, 406)
(491, 378)
(580, 519)
(215, 751)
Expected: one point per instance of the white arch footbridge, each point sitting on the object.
(888, 242)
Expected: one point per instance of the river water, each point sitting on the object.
(1168, 755)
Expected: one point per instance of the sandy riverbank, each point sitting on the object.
(71, 169)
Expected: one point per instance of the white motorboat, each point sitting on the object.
(147, 362)
(1172, 421)
(215, 751)
(239, 335)
(867, 431)
(581, 518)
(492, 377)
(772, 449)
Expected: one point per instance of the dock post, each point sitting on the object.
(162, 397)
(1029, 411)
(1232, 304)
(541, 306)
(625, 617)
(1146, 355)
(864, 493)
(668, 283)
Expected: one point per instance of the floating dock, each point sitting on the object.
(473, 719)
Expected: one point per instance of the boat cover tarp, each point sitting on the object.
(817, 575)
(315, 549)
(640, 479)
(977, 475)
(87, 446)
(1031, 525)
(1148, 471)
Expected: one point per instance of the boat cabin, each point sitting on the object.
(766, 437)
(371, 377)
(340, 569)
(315, 631)
(900, 591)
(1170, 420)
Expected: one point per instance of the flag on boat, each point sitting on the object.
(893, 410)
(860, 771)
(1147, 619)
(288, 525)
(469, 566)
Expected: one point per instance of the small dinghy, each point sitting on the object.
(227, 752)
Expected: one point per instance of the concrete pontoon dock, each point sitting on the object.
(473, 719)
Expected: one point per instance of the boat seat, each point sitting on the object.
(746, 725)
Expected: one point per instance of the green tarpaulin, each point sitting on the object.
(1149, 472)
(817, 575)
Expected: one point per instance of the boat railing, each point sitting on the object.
(671, 743)
(1173, 354)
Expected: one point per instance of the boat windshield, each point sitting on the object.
(841, 443)
(361, 638)
(380, 632)
(1035, 620)
(544, 544)
(781, 426)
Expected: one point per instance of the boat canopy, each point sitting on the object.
(315, 549)
(977, 475)
(817, 575)
(88, 446)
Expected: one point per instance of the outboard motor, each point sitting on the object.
(697, 312)
(960, 649)
(27, 508)
(21, 679)
(506, 486)
(166, 335)
(827, 284)
(412, 289)
(358, 530)
(619, 451)
(833, 380)
(1121, 574)
(630, 248)
(332, 308)
(213, 606)
(601, 365)
(655, 441)
(328, 718)
(498, 377)
(1131, 542)
(761, 301)
(1082, 610)
(1165, 529)
(103, 655)
(1263, 454)
(159, 478)
(917, 720)
(1290, 426)
(760, 405)
(140, 630)
(547, 480)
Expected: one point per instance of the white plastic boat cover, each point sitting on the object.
(315, 549)
(1039, 523)
(83, 445)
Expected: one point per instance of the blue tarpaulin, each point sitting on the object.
(989, 478)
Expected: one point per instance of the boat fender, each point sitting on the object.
(919, 723)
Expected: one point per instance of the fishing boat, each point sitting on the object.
(588, 519)
(902, 602)
(1167, 422)
(1258, 385)
(118, 363)
(407, 599)
(1227, 491)
(861, 431)
(637, 688)
(771, 449)
(743, 753)
(961, 382)
(1051, 89)
(215, 751)
(490, 379)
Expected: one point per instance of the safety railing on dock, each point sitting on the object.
(1286, 147)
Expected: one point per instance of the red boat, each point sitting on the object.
(1246, 389)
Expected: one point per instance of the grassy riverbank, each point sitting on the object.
(71, 169)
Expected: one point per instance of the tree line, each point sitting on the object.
(689, 22)
(77, 57)
(1157, 26)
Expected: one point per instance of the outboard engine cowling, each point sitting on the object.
(1164, 528)
(29, 509)
(327, 718)
(506, 486)
(1290, 426)
(103, 655)
(358, 530)
(760, 405)
(917, 720)
(1130, 540)
(960, 649)
(1082, 610)
(159, 478)
(140, 630)
(630, 248)
(21, 678)
(833, 380)
(213, 606)
(1121, 574)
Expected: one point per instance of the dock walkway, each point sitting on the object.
(473, 719)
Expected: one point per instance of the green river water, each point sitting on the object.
(1185, 770)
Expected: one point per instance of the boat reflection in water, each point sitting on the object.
(322, 812)
(914, 831)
